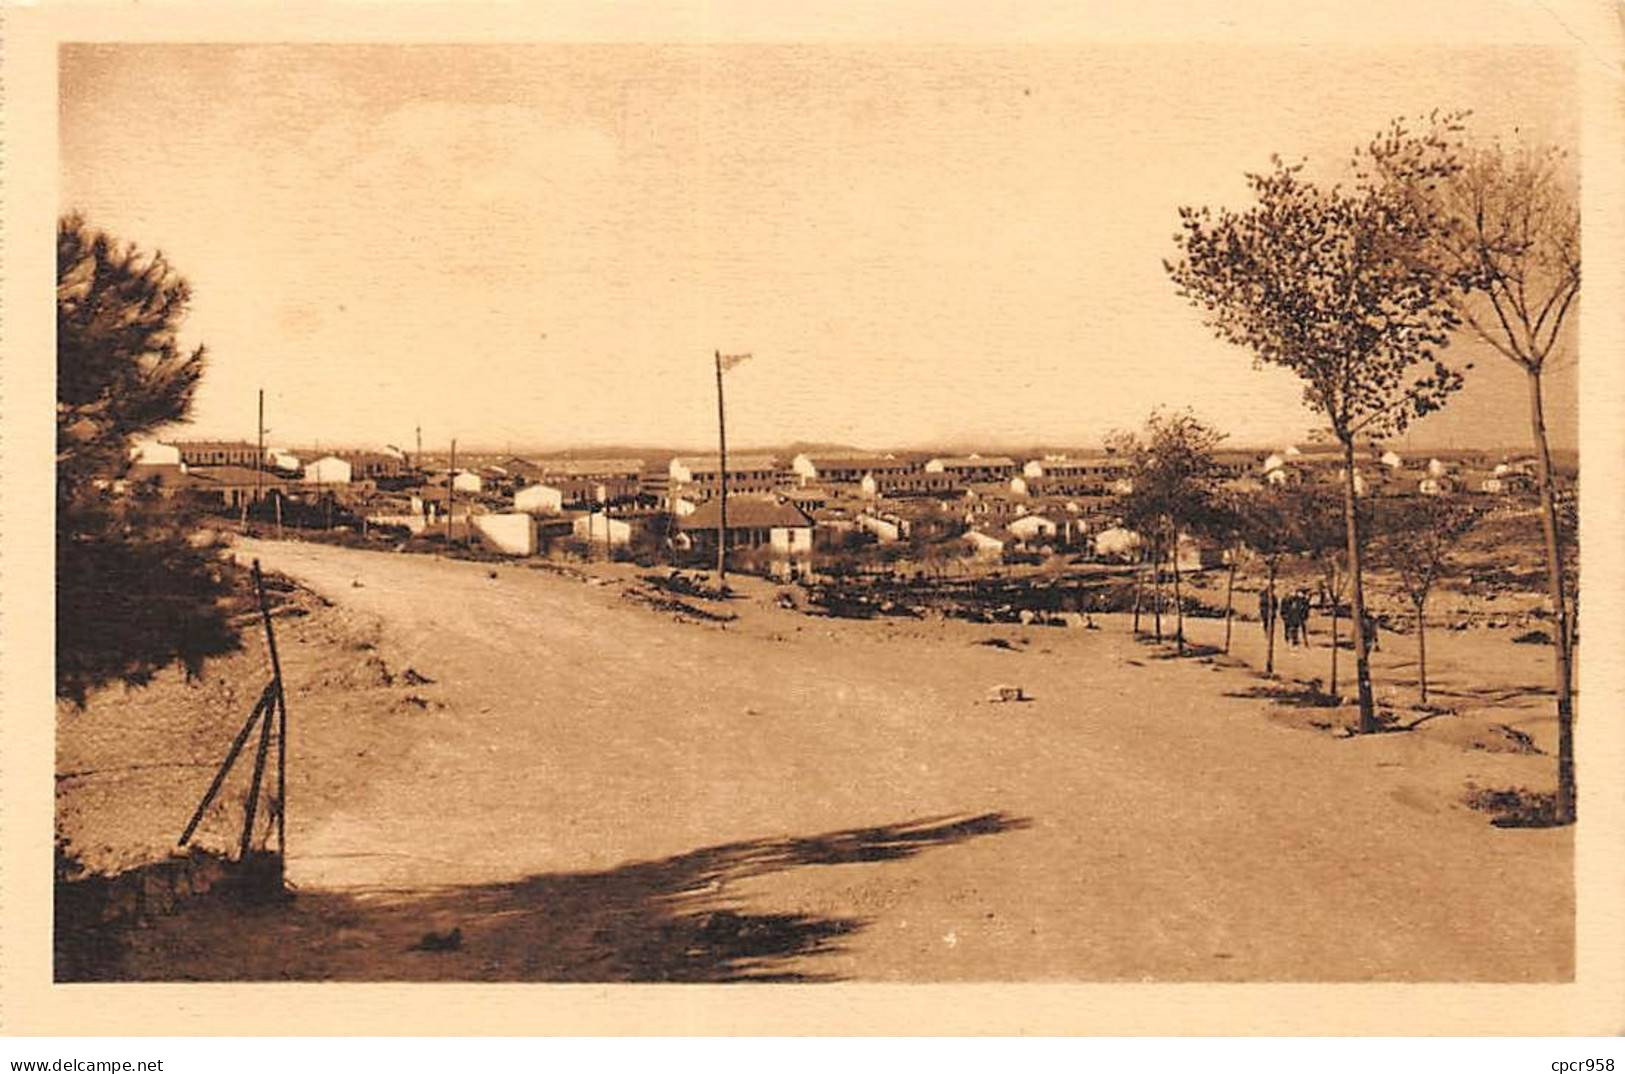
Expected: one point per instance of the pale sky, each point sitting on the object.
(543, 245)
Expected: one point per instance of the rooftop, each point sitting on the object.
(589, 467)
(975, 460)
(745, 512)
(710, 463)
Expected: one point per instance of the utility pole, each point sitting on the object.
(722, 480)
(417, 460)
(451, 491)
(723, 362)
(259, 465)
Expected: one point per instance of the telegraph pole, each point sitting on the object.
(722, 480)
(259, 465)
(451, 492)
(417, 460)
(723, 361)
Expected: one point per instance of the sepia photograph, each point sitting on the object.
(1060, 609)
(818, 512)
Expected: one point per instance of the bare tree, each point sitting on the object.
(1320, 530)
(1511, 243)
(1267, 526)
(1173, 478)
(1333, 283)
(1221, 521)
(1417, 539)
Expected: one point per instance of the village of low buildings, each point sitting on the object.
(786, 515)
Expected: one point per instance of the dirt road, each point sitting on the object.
(589, 789)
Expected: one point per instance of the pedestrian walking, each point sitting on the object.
(1292, 613)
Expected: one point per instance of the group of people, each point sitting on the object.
(1293, 610)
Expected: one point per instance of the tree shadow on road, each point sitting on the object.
(675, 919)
(1300, 695)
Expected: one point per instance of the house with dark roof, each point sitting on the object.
(753, 522)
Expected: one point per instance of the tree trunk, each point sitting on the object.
(1331, 688)
(1156, 589)
(1269, 626)
(1139, 578)
(1362, 658)
(1561, 653)
(1179, 604)
(1229, 599)
(1422, 651)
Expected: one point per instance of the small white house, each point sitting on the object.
(1437, 468)
(1274, 463)
(513, 534)
(1117, 543)
(1033, 527)
(152, 453)
(467, 481)
(1018, 486)
(591, 528)
(539, 500)
(285, 461)
(1493, 485)
(1432, 486)
(327, 470)
(983, 545)
(885, 530)
(1392, 460)
(683, 507)
(1277, 476)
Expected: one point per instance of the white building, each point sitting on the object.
(285, 461)
(539, 500)
(983, 545)
(753, 522)
(1391, 460)
(467, 481)
(591, 529)
(886, 531)
(1033, 527)
(327, 470)
(512, 534)
(152, 453)
(1117, 543)
(1437, 468)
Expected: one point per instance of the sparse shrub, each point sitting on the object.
(1514, 807)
